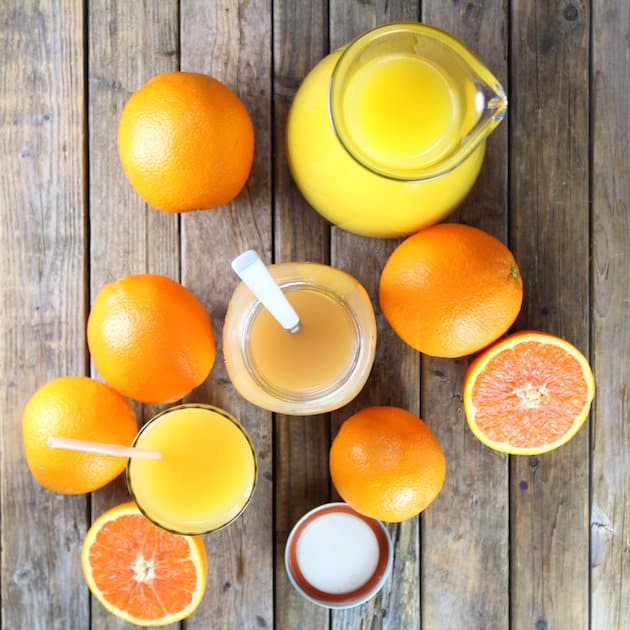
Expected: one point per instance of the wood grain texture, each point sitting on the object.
(300, 41)
(129, 44)
(301, 479)
(232, 41)
(301, 483)
(456, 551)
(42, 265)
(70, 222)
(550, 238)
(610, 510)
(395, 378)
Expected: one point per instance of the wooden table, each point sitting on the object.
(506, 544)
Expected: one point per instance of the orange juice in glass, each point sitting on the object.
(206, 475)
(317, 369)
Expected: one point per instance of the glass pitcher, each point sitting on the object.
(387, 135)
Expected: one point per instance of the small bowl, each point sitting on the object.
(338, 558)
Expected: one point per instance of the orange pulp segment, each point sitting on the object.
(527, 394)
(140, 572)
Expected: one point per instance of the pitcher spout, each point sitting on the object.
(498, 104)
(492, 104)
(486, 105)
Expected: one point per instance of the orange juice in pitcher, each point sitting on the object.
(387, 135)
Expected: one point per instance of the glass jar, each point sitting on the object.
(315, 370)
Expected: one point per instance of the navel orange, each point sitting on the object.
(186, 142)
(450, 290)
(386, 463)
(150, 338)
(140, 572)
(84, 409)
(529, 393)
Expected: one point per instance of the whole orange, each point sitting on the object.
(186, 142)
(84, 409)
(450, 290)
(150, 338)
(386, 463)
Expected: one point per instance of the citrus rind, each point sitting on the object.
(481, 362)
(197, 556)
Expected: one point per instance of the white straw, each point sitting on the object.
(253, 272)
(102, 449)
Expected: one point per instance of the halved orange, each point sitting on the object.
(140, 572)
(528, 393)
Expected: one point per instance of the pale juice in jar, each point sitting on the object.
(317, 369)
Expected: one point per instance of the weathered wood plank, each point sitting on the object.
(610, 510)
(301, 445)
(395, 378)
(456, 551)
(301, 483)
(43, 263)
(549, 234)
(300, 41)
(42, 310)
(231, 41)
(129, 44)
